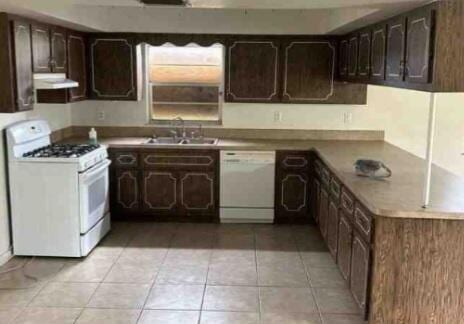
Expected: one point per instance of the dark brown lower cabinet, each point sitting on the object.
(360, 264)
(323, 211)
(314, 199)
(345, 239)
(125, 194)
(332, 228)
(197, 192)
(159, 191)
(172, 185)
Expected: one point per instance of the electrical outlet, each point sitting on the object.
(101, 115)
(347, 118)
(277, 116)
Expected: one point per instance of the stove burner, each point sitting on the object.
(62, 151)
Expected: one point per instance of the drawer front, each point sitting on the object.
(318, 168)
(363, 221)
(125, 159)
(293, 160)
(179, 160)
(335, 188)
(325, 177)
(347, 203)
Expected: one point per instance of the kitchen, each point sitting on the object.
(222, 187)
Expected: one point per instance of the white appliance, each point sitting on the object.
(247, 187)
(58, 193)
(53, 81)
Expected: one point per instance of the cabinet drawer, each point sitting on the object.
(179, 160)
(335, 188)
(325, 177)
(125, 159)
(318, 168)
(363, 221)
(293, 160)
(347, 203)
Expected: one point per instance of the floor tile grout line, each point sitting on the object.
(157, 274)
(103, 279)
(206, 281)
(311, 286)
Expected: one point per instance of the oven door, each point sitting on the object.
(93, 195)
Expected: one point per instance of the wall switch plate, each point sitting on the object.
(101, 115)
(347, 118)
(277, 116)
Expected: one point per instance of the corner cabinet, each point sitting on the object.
(165, 184)
(253, 70)
(113, 68)
(292, 187)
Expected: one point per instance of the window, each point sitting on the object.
(186, 82)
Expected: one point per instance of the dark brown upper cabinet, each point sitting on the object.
(16, 85)
(353, 46)
(396, 42)
(77, 63)
(419, 46)
(58, 50)
(343, 58)
(113, 68)
(41, 49)
(253, 71)
(364, 56)
(309, 68)
(378, 48)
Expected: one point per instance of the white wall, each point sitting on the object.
(59, 116)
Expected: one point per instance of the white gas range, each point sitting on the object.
(59, 194)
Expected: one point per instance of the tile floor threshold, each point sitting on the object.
(184, 273)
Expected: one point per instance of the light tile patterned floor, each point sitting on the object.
(184, 273)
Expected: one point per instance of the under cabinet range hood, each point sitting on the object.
(44, 81)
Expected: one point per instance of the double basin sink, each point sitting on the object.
(181, 141)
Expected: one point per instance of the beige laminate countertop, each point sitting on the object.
(398, 196)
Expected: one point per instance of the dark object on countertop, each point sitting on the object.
(372, 169)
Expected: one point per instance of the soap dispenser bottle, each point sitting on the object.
(93, 136)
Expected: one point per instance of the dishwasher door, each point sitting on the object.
(247, 185)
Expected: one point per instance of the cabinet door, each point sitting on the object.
(314, 198)
(343, 59)
(58, 50)
(353, 57)
(113, 65)
(160, 191)
(41, 51)
(291, 197)
(323, 211)
(345, 239)
(396, 49)
(253, 71)
(332, 228)
(126, 196)
(197, 192)
(364, 55)
(360, 257)
(379, 42)
(77, 66)
(23, 65)
(418, 49)
(309, 68)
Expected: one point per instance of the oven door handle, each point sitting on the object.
(96, 170)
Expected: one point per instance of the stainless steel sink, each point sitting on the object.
(180, 141)
(164, 141)
(200, 141)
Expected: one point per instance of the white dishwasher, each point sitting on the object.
(247, 187)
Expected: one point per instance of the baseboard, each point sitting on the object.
(5, 256)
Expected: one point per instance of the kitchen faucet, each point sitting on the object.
(175, 132)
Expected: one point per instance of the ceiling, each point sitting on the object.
(213, 16)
